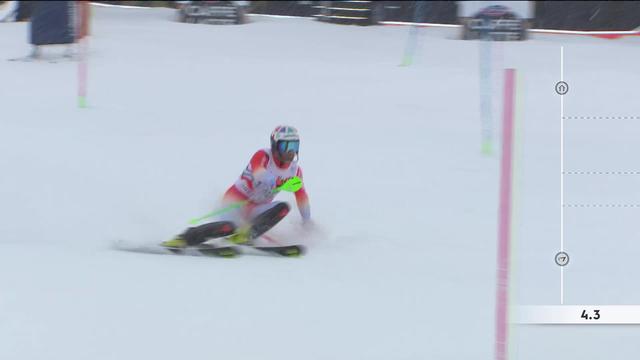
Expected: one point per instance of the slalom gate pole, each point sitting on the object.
(504, 217)
(82, 39)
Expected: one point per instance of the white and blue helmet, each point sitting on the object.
(285, 139)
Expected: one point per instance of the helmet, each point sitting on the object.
(285, 143)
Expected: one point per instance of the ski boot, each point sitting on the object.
(177, 242)
(246, 235)
(241, 236)
(199, 234)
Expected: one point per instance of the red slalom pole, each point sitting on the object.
(82, 32)
(504, 227)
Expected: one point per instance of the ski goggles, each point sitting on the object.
(286, 146)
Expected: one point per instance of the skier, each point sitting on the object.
(267, 169)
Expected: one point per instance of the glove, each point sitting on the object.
(263, 186)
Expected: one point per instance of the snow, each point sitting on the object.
(403, 265)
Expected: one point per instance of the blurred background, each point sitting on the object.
(562, 15)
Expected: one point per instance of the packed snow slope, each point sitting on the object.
(402, 265)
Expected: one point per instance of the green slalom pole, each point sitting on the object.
(292, 185)
(410, 47)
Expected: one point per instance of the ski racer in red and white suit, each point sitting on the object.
(253, 193)
(264, 173)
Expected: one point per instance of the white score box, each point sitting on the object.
(576, 314)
